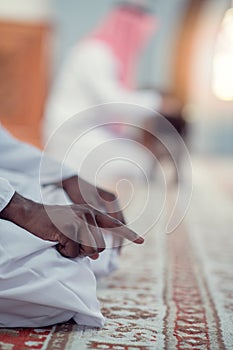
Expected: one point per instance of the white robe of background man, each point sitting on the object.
(38, 286)
(89, 78)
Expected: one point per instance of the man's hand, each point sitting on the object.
(77, 228)
(82, 192)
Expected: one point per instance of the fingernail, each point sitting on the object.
(94, 256)
(139, 240)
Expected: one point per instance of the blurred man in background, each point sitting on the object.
(101, 70)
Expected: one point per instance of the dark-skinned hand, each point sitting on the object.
(77, 229)
(82, 192)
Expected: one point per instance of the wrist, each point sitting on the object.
(68, 182)
(71, 187)
(18, 210)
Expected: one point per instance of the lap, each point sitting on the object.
(35, 278)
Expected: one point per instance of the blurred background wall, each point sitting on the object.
(213, 116)
(61, 24)
(24, 66)
(73, 22)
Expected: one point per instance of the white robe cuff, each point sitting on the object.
(6, 193)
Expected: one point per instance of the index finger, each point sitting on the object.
(117, 228)
(111, 204)
(113, 209)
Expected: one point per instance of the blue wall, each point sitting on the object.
(73, 19)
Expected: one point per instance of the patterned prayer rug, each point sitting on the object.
(174, 292)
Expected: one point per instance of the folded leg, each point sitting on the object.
(39, 287)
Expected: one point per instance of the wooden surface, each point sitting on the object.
(24, 63)
(184, 48)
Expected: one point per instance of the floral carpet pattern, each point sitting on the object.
(174, 292)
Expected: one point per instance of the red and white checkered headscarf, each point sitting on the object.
(126, 30)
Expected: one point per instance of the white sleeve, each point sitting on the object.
(6, 193)
(102, 81)
(21, 157)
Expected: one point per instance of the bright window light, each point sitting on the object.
(223, 60)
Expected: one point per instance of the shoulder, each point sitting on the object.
(92, 50)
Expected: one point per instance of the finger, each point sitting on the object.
(105, 220)
(124, 232)
(86, 250)
(117, 228)
(89, 233)
(94, 256)
(119, 216)
(91, 238)
(107, 202)
(113, 209)
(108, 209)
(96, 231)
(105, 195)
(69, 248)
